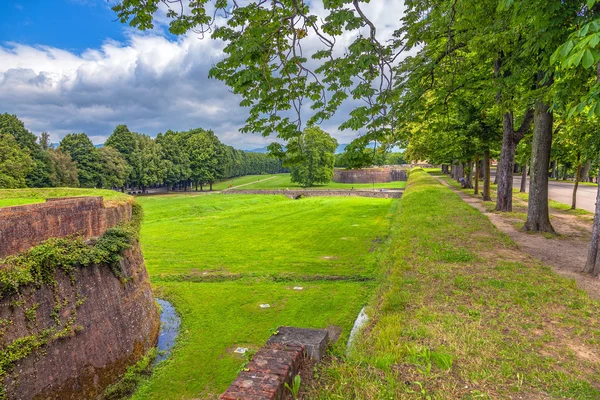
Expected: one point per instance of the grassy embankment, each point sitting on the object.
(15, 197)
(463, 314)
(282, 181)
(217, 258)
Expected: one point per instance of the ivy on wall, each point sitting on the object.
(38, 266)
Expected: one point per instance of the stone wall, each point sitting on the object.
(294, 194)
(97, 323)
(22, 227)
(369, 175)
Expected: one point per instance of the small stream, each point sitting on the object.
(169, 329)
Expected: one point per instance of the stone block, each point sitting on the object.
(314, 340)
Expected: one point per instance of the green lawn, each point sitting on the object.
(241, 180)
(218, 317)
(14, 197)
(260, 235)
(218, 257)
(282, 181)
(463, 315)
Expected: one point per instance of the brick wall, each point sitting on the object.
(113, 322)
(369, 175)
(22, 227)
(264, 377)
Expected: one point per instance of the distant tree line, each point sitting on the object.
(177, 160)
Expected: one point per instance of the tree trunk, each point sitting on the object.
(577, 176)
(210, 186)
(505, 166)
(585, 172)
(524, 179)
(459, 172)
(592, 265)
(486, 178)
(538, 218)
(477, 171)
(468, 175)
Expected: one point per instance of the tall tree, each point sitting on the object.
(115, 169)
(147, 167)
(15, 163)
(310, 157)
(82, 151)
(38, 175)
(63, 170)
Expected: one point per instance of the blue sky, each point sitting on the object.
(74, 25)
(68, 66)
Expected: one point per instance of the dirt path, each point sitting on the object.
(566, 252)
(246, 184)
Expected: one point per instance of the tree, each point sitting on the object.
(15, 163)
(38, 175)
(176, 158)
(63, 170)
(310, 157)
(204, 151)
(147, 167)
(82, 151)
(123, 140)
(115, 169)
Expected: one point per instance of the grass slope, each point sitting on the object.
(464, 314)
(15, 197)
(261, 234)
(241, 180)
(282, 181)
(192, 244)
(218, 317)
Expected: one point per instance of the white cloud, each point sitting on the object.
(149, 82)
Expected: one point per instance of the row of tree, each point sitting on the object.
(455, 81)
(128, 159)
(513, 80)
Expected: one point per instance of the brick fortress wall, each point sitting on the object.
(22, 227)
(369, 175)
(115, 320)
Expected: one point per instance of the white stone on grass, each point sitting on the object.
(265, 306)
(298, 288)
(241, 350)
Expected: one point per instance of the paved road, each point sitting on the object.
(563, 192)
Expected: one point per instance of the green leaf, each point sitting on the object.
(588, 58)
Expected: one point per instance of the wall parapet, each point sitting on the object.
(22, 227)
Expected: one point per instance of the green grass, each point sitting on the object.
(15, 197)
(463, 315)
(218, 317)
(572, 182)
(282, 181)
(218, 257)
(553, 204)
(261, 235)
(241, 180)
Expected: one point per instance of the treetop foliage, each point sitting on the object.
(127, 159)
